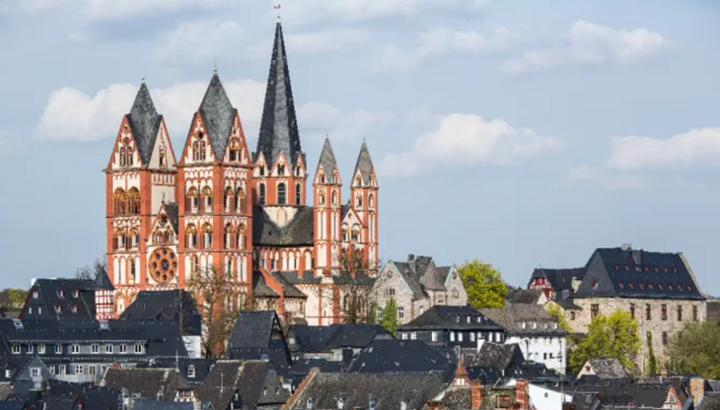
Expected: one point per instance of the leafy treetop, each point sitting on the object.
(483, 284)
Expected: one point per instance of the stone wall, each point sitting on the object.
(656, 325)
(390, 278)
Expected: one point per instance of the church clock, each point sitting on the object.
(163, 265)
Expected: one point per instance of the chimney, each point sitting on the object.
(697, 389)
(475, 395)
(521, 394)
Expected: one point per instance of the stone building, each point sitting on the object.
(417, 285)
(658, 289)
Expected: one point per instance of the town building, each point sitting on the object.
(216, 205)
(416, 286)
(452, 326)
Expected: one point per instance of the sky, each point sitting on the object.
(523, 133)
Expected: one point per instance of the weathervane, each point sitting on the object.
(215, 69)
(277, 7)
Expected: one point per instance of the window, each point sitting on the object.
(207, 199)
(75, 349)
(572, 315)
(74, 308)
(79, 369)
(663, 312)
(35, 372)
(261, 195)
(413, 336)
(371, 201)
(452, 336)
(472, 336)
(389, 292)
(594, 310)
(359, 201)
(229, 199)
(108, 349)
(192, 202)
(35, 295)
(594, 284)
(401, 312)
(92, 369)
(262, 170)
(134, 201)
(58, 349)
(62, 369)
(8, 373)
(123, 349)
(648, 312)
(41, 349)
(30, 348)
(695, 313)
(679, 313)
(434, 336)
(94, 349)
(460, 336)
(61, 294)
(191, 371)
(139, 348)
(632, 310)
(163, 155)
(664, 338)
(234, 150)
(403, 336)
(207, 236)
(16, 349)
(281, 194)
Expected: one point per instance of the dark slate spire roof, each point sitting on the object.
(278, 129)
(144, 122)
(364, 164)
(102, 282)
(218, 114)
(327, 160)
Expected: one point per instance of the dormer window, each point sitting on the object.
(262, 170)
(58, 308)
(594, 284)
(61, 294)
(35, 295)
(76, 293)
(191, 371)
(74, 308)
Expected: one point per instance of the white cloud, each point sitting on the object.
(324, 41)
(694, 147)
(444, 40)
(115, 9)
(320, 119)
(589, 43)
(468, 139)
(71, 114)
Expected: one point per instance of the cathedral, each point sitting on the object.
(216, 205)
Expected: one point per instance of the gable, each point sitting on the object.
(236, 150)
(163, 156)
(198, 147)
(351, 218)
(124, 143)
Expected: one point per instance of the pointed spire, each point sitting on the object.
(144, 121)
(218, 115)
(278, 129)
(102, 282)
(327, 161)
(364, 164)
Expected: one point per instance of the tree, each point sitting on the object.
(357, 273)
(615, 336)
(390, 316)
(13, 299)
(483, 284)
(372, 313)
(88, 272)
(215, 297)
(696, 350)
(554, 310)
(652, 360)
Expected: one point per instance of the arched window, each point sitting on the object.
(234, 150)
(191, 237)
(120, 202)
(122, 158)
(334, 198)
(358, 181)
(240, 201)
(298, 194)
(207, 198)
(371, 201)
(134, 238)
(203, 150)
(262, 170)
(132, 270)
(240, 241)
(281, 195)
(228, 235)
(207, 236)
(130, 157)
(261, 199)
(196, 150)
(355, 235)
(134, 201)
(118, 239)
(358, 200)
(194, 265)
(321, 198)
(192, 200)
(163, 157)
(345, 233)
(321, 177)
(229, 199)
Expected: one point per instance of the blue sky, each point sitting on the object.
(522, 133)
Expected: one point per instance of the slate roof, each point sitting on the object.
(11, 405)
(651, 395)
(403, 356)
(586, 401)
(94, 397)
(303, 366)
(177, 306)
(560, 279)
(608, 369)
(300, 231)
(327, 161)
(356, 391)
(257, 383)
(457, 398)
(499, 356)
(218, 114)
(528, 296)
(278, 127)
(568, 304)
(150, 404)
(145, 123)
(157, 384)
(709, 402)
(257, 335)
(512, 316)
(261, 288)
(618, 272)
(289, 289)
(102, 282)
(171, 210)
(316, 339)
(202, 366)
(54, 293)
(421, 274)
(451, 317)
(364, 164)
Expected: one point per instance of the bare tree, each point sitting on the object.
(219, 303)
(357, 279)
(91, 272)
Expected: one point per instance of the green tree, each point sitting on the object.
(483, 284)
(390, 316)
(554, 310)
(696, 350)
(615, 336)
(652, 360)
(12, 299)
(372, 313)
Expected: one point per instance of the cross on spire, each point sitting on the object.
(277, 7)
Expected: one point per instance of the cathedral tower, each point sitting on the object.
(215, 173)
(139, 176)
(328, 212)
(280, 171)
(364, 201)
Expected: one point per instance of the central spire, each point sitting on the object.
(278, 129)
